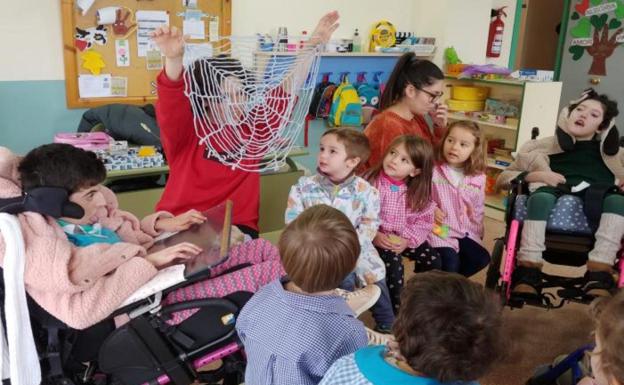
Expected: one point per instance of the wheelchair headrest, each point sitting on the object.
(52, 201)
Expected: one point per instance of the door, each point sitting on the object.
(593, 53)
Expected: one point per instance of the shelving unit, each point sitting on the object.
(538, 107)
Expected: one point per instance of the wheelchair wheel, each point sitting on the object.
(493, 272)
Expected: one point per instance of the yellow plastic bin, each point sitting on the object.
(469, 93)
(465, 105)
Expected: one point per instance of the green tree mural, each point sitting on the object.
(597, 31)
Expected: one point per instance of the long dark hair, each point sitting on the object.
(409, 70)
(421, 155)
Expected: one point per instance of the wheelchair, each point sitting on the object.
(566, 244)
(147, 349)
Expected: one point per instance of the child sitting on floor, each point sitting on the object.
(448, 331)
(293, 330)
(607, 359)
(342, 151)
(403, 179)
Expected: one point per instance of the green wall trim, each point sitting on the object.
(513, 51)
(562, 38)
(31, 112)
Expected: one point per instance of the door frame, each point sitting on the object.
(563, 31)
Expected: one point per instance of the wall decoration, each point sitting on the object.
(85, 38)
(92, 61)
(597, 31)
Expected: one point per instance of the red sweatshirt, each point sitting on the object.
(196, 182)
(387, 125)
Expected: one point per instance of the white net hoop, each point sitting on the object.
(249, 106)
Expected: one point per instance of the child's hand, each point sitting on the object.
(180, 222)
(549, 177)
(381, 240)
(439, 216)
(400, 245)
(183, 250)
(325, 28)
(370, 278)
(169, 40)
(440, 115)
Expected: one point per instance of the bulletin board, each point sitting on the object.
(140, 81)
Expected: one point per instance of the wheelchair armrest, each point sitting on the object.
(197, 303)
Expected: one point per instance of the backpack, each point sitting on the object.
(318, 98)
(346, 109)
(369, 97)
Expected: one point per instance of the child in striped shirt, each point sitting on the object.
(403, 180)
(458, 189)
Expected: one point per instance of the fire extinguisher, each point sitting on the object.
(495, 37)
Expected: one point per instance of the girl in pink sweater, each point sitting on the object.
(458, 188)
(82, 271)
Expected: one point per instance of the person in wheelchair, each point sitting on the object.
(99, 259)
(583, 156)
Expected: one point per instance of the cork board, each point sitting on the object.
(140, 81)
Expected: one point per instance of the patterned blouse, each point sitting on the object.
(357, 199)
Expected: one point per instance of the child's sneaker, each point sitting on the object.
(375, 338)
(362, 299)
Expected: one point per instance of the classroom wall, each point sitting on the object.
(32, 88)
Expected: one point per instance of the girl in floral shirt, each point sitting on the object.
(403, 180)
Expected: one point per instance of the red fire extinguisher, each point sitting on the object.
(495, 37)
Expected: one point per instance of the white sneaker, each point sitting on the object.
(362, 299)
(376, 338)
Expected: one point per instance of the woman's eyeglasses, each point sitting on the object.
(434, 96)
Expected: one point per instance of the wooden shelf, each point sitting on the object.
(458, 116)
(491, 163)
(508, 82)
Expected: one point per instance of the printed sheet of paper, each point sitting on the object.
(119, 86)
(94, 86)
(148, 21)
(195, 29)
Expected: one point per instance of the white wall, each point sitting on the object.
(31, 40)
(30, 30)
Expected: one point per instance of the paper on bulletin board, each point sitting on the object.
(119, 86)
(148, 21)
(94, 86)
(194, 29)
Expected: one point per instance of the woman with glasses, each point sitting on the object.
(412, 91)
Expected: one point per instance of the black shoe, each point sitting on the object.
(598, 283)
(526, 281)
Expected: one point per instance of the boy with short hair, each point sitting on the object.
(342, 151)
(448, 330)
(293, 330)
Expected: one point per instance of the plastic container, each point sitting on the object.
(465, 105)
(469, 93)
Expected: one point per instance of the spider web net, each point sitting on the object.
(249, 106)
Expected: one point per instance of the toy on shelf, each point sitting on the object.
(454, 65)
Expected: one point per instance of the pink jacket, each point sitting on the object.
(396, 218)
(79, 285)
(464, 206)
